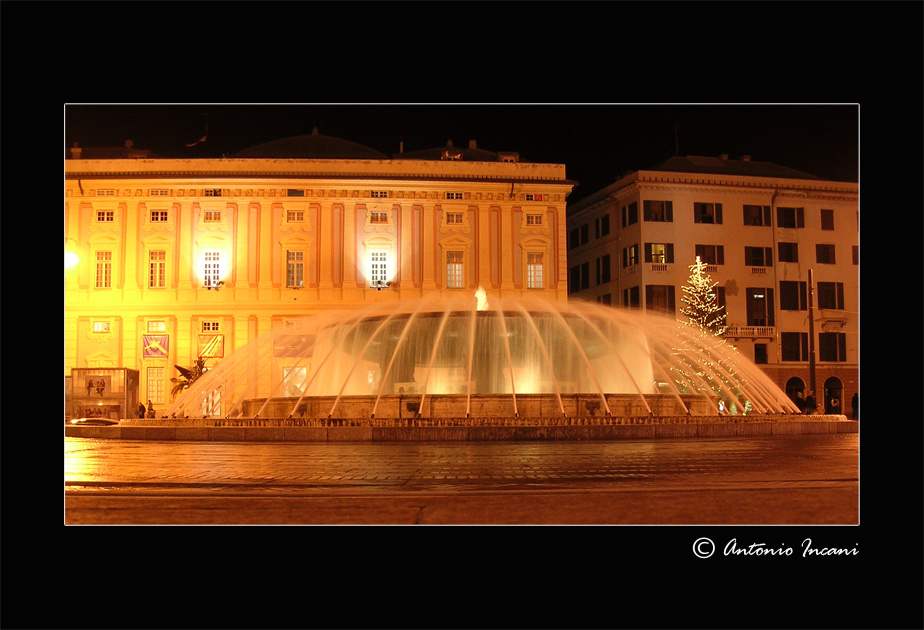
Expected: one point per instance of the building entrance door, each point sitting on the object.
(834, 402)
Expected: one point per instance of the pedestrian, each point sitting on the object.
(800, 402)
(150, 409)
(855, 406)
(810, 403)
(100, 387)
(141, 410)
(89, 386)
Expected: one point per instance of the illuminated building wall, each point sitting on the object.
(760, 228)
(184, 258)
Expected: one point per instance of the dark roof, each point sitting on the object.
(311, 147)
(469, 154)
(724, 166)
(109, 153)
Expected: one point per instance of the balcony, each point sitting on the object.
(762, 271)
(751, 332)
(660, 267)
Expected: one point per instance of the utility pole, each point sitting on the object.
(811, 341)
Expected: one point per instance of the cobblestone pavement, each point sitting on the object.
(816, 476)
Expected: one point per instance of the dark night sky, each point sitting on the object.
(596, 142)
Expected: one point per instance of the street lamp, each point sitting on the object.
(70, 256)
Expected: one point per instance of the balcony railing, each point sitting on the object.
(759, 270)
(660, 267)
(751, 332)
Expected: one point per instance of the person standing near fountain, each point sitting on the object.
(810, 403)
(855, 406)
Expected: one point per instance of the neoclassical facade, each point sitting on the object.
(186, 258)
(767, 234)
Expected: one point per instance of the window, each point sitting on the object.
(660, 298)
(213, 192)
(630, 256)
(831, 295)
(534, 270)
(793, 296)
(452, 218)
(160, 192)
(759, 306)
(103, 270)
(159, 216)
(659, 253)
(827, 219)
(533, 197)
(606, 299)
(156, 385)
(758, 256)
(630, 297)
(105, 192)
(212, 216)
(157, 326)
(455, 275)
(794, 346)
(578, 236)
(105, 216)
(295, 269)
(707, 213)
(760, 353)
(295, 216)
(603, 269)
(579, 278)
(292, 192)
(585, 234)
(157, 269)
(453, 195)
(603, 226)
(790, 217)
(856, 254)
(210, 325)
(756, 215)
(102, 327)
(382, 194)
(662, 211)
(824, 254)
(294, 380)
(630, 214)
(378, 217)
(211, 270)
(378, 268)
(789, 252)
(832, 346)
(711, 254)
(533, 219)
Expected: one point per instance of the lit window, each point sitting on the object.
(105, 216)
(156, 385)
(759, 304)
(210, 325)
(454, 270)
(659, 253)
(211, 272)
(533, 219)
(103, 270)
(454, 218)
(157, 326)
(534, 270)
(158, 216)
(295, 269)
(157, 274)
(378, 268)
(212, 216)
(711, 254)
(378, 217)
(101, 327)
(294, 380)
(295, 216)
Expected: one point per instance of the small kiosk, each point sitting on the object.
(110, 393)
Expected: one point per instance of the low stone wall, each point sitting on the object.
(516, 429)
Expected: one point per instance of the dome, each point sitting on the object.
(311, 147)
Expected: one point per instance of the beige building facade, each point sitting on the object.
(179, 259)
(764, 232)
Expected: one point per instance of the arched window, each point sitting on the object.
(795, 386)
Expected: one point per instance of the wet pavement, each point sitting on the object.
(781, 479)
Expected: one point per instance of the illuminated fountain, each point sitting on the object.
(479, 357)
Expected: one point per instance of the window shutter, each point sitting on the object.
(841, 347)
(803, 339)
(720, 254)
(647, 252)
(718, 213)
(767, 215)
(669, 211)
(840, 295)
(649, 296)
(800, 217)
(770, 308)
(768, 256)
(670, 299)
(669, 253)
(803, 296)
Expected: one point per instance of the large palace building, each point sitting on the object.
(175, 259)
(782, 245)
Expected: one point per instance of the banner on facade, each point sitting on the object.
(155, 346)
(211, 346)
